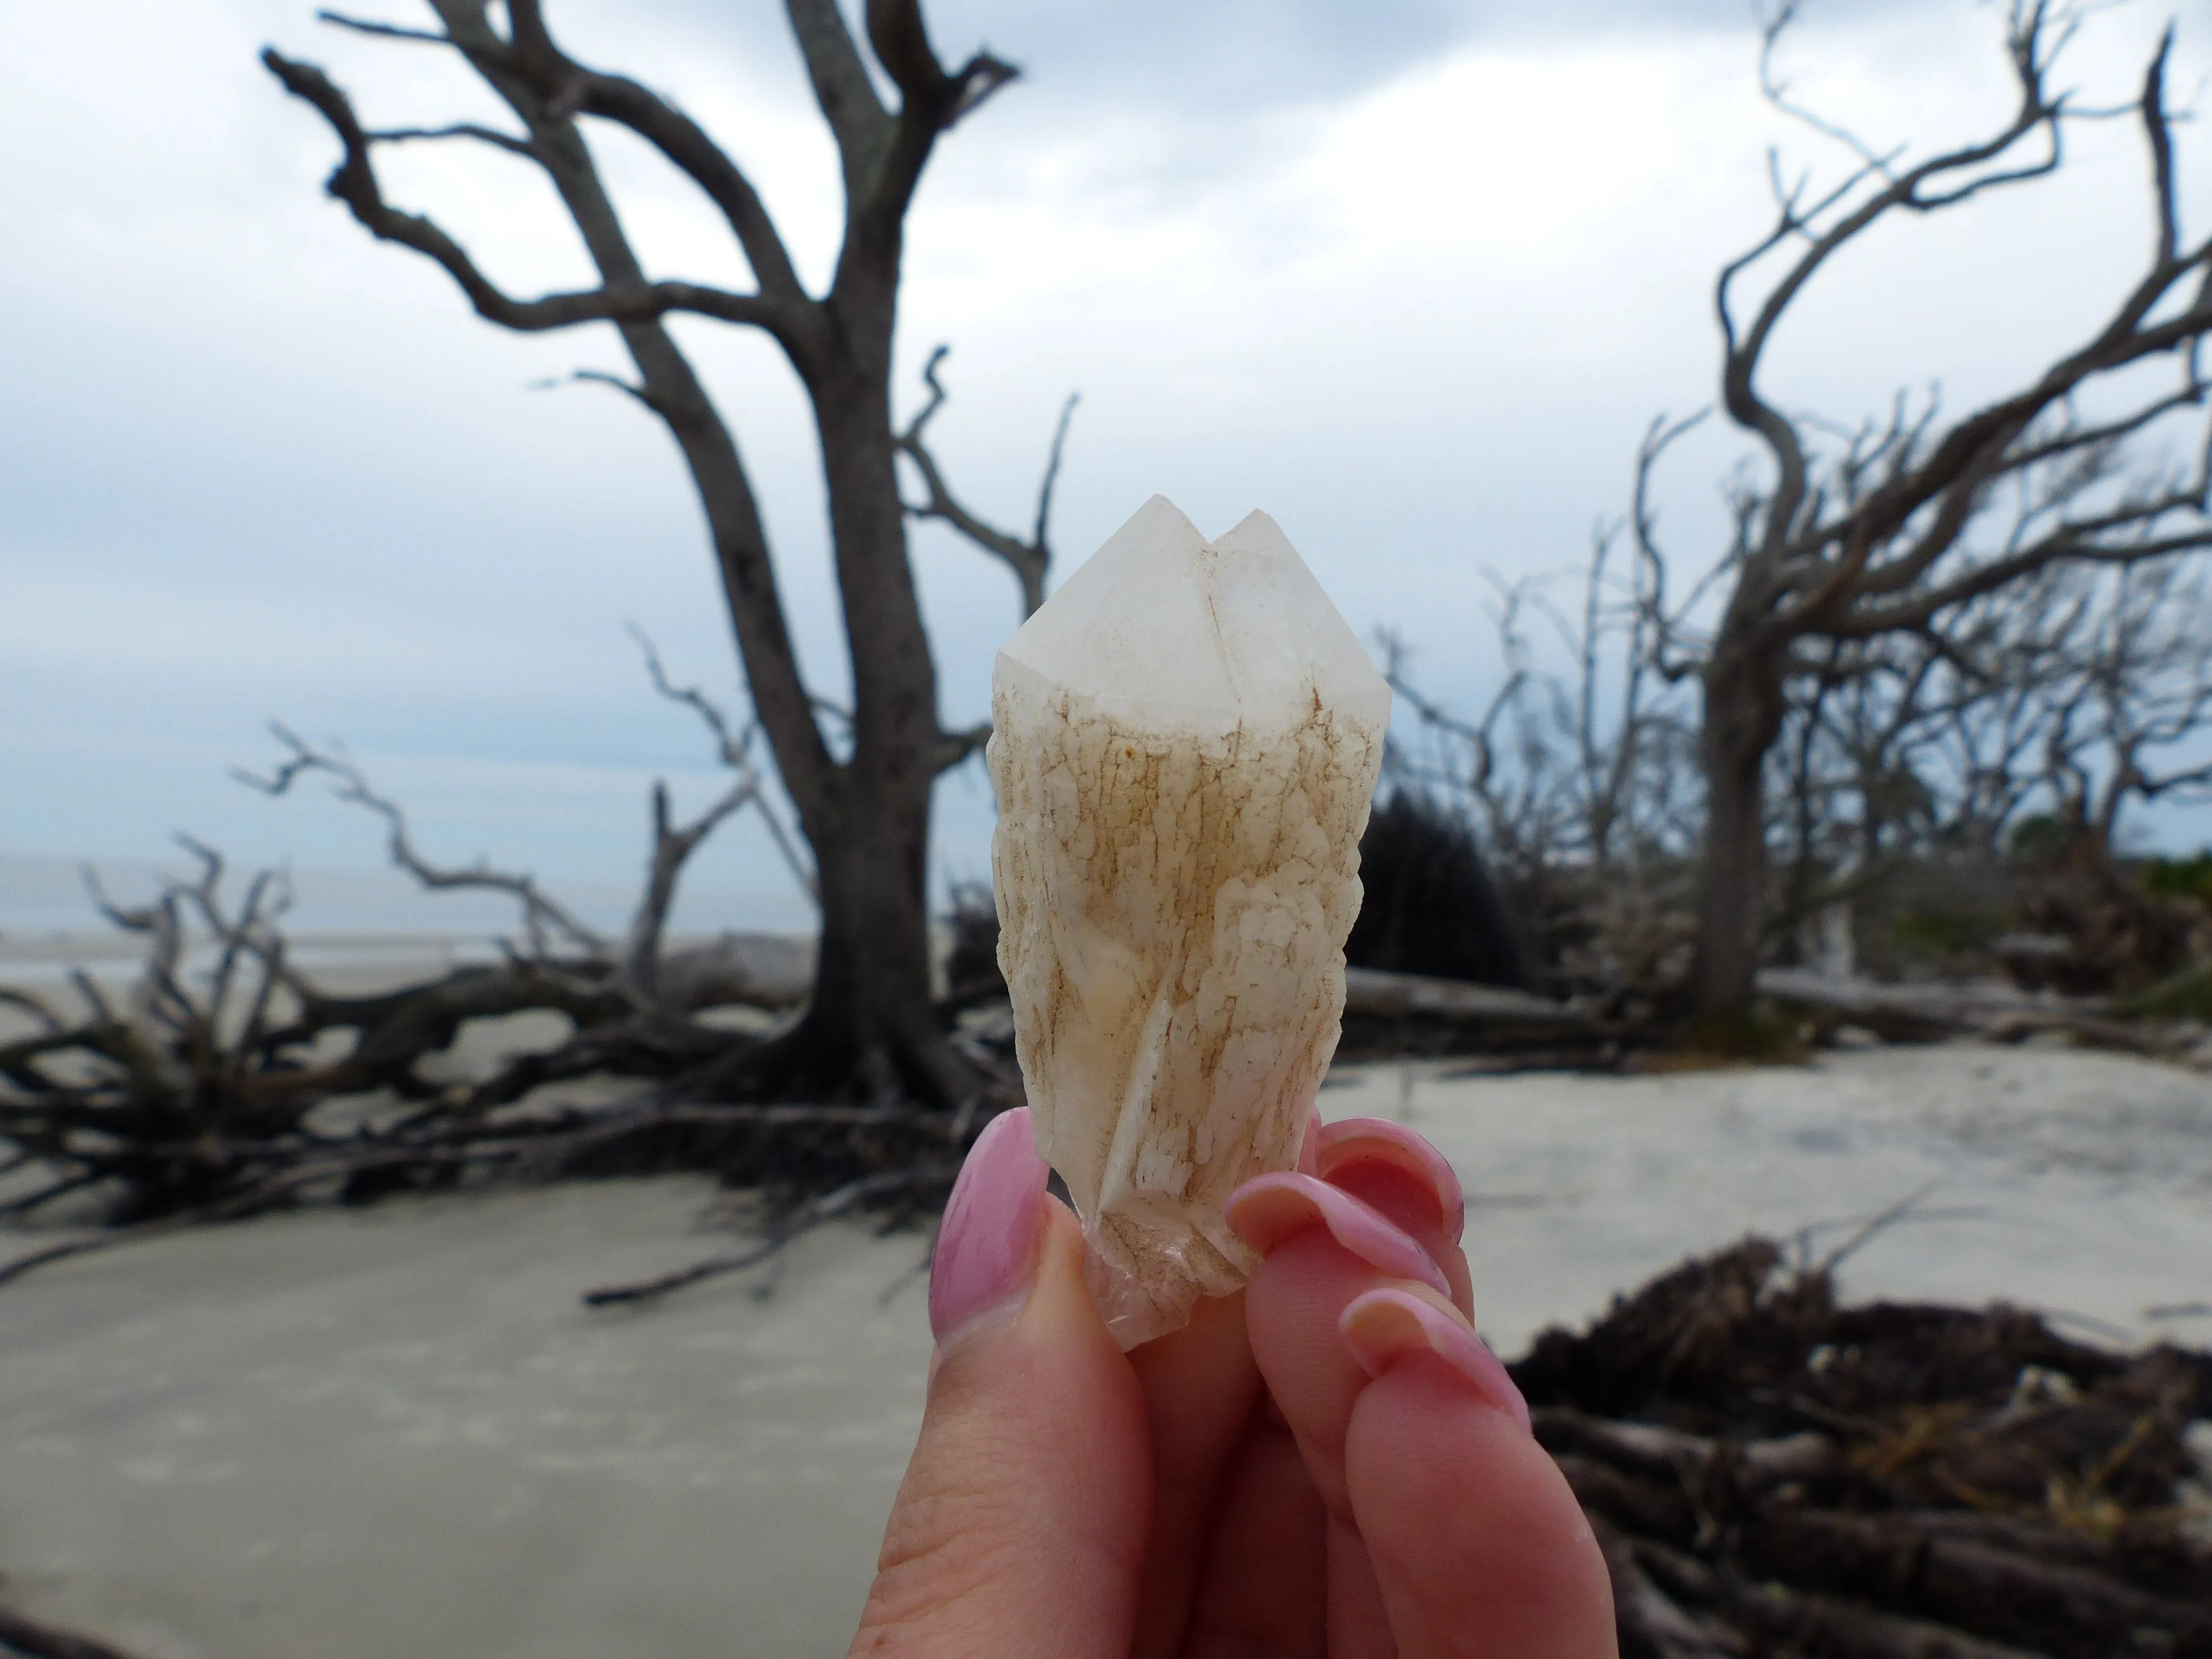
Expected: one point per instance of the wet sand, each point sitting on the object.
(400, 1433)
(2078, 1184)
(364, 1435)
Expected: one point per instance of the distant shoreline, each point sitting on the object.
(45, 956)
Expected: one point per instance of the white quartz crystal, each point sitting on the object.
(1185, 741)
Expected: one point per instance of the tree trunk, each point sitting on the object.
(871, 839)
(872, 1026)
(1742, 718)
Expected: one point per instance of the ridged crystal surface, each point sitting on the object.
(1185, 740)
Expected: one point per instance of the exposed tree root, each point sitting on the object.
(227, 1081)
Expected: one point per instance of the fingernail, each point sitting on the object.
(986, 1244)
(1309, 1148)
(1383, 1327)
(1269, 1208)
(1364, 1143)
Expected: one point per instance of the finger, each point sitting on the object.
(1264, 1586)
(1476, 1542)
(1410, 1182)
(1323, 1248)
(1020, 1526)
(1320, 1248)
(1200, 1391)
(1200, 1387)
(1358, 1622)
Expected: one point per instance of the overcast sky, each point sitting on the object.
(1411, 275)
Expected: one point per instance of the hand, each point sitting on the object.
(1329, 1464)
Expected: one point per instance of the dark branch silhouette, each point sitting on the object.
(1897, 526)
(1028, 560)
(862, 802)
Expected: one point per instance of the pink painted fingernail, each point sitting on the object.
(1385, 1327)
(1359, 1143)
(1269, 1208)
(987, 1245)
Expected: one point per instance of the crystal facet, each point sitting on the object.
(1185, 739)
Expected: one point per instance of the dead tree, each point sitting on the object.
(1996, 666)
(1890, 528)
(2137, 687)
(228, 1081)
(1850, 775)
(863, 803)
(1575, 779)
(1573, 768)
(199, 1089)
(2053, 706)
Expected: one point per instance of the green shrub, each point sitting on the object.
(2189, 879)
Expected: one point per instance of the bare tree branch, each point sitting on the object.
(1853, 536)
(1028, 560)
(672, 843)
(735, 749)
(513, 143)
(543, 916)
(572, 88)
(354, 183)
(955, 747)
(382, 31)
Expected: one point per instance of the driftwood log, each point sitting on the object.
(1933, 1012)
(1770, 1473)
(1372, 993)
(1387, 1014)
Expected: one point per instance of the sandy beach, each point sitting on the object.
(366, 1435)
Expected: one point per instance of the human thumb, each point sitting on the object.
(1020, 1527)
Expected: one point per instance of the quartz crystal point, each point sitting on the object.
(1185, 743)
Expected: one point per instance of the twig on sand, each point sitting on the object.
(1875, 1228)
(841, 1200)
(621, 1140)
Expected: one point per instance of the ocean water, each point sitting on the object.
(47, 898)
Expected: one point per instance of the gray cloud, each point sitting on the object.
(253, 464)
(1250, 55)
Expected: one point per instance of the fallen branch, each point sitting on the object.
(1770, 1471)
(932, 1180)
(1380, 995)
(1930, 1013)
(1387, 1014)
(1769, 1612)
(544, 918)
(774, 1147)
